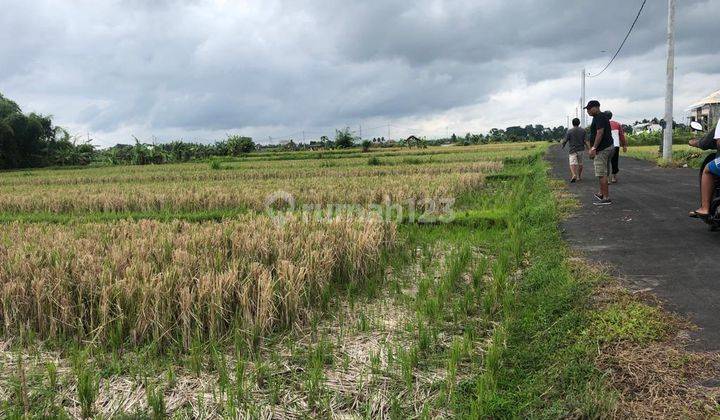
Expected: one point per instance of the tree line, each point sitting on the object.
(536, 132)
(31, 140)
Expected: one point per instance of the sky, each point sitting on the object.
(199, 70)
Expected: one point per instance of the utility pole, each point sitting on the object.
(360, 127)
(668, 133)
(568, 122)
(582, 97)
(388, 137)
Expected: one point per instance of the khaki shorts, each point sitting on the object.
(602, 162)
(576, 158)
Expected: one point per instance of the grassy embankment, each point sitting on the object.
(683, 155)
(647, 147)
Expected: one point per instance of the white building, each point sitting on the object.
(646, 128)
(706, 110)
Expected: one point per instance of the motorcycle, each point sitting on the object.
(713, 218)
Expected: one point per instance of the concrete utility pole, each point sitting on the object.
(582, 98)
(668, 134)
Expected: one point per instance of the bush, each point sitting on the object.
(650, 139)
(344, 138)
(374, 161)
(215, 165)
(239, 145)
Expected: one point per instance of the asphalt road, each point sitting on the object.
(648, 238)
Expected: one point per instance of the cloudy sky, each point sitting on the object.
(201, 69)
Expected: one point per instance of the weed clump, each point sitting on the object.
(215, 165)
(634, 322)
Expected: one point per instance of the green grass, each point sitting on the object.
(683, 154)
(633, 322)
(537, 366)
(102, 217)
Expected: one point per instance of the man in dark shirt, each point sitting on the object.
(601, 150)
(576, 137)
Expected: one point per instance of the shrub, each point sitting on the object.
(215, 164)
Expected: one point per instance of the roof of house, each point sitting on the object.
(713, 98)
(644, 125)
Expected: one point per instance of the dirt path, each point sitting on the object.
(647, 236)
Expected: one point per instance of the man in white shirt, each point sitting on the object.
(619, 140)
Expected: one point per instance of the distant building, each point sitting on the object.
(706, 110)
(646, 128)
(412, 139)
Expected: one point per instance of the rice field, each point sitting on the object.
(171, 283)
(245, 185)
(114, 302)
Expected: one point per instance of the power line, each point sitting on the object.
(623, 42)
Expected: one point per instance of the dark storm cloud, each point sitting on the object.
(166, 67)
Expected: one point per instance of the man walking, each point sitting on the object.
(601, 150)
(576, 137)
(618, 136)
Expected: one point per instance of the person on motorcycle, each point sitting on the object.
(712, 169)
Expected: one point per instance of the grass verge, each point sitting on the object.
(539, 362)
(683, 155)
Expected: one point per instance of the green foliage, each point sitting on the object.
(215, 164)
(239, 145)
(344, 138)
(632, 321)
(537, 365)
(536, 132)
(374, 161)
(156, 402)
(680, 136)
(87, 384)
(52, 373)
(31, 140)
(681, 155)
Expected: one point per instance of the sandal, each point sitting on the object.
(697, 215)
